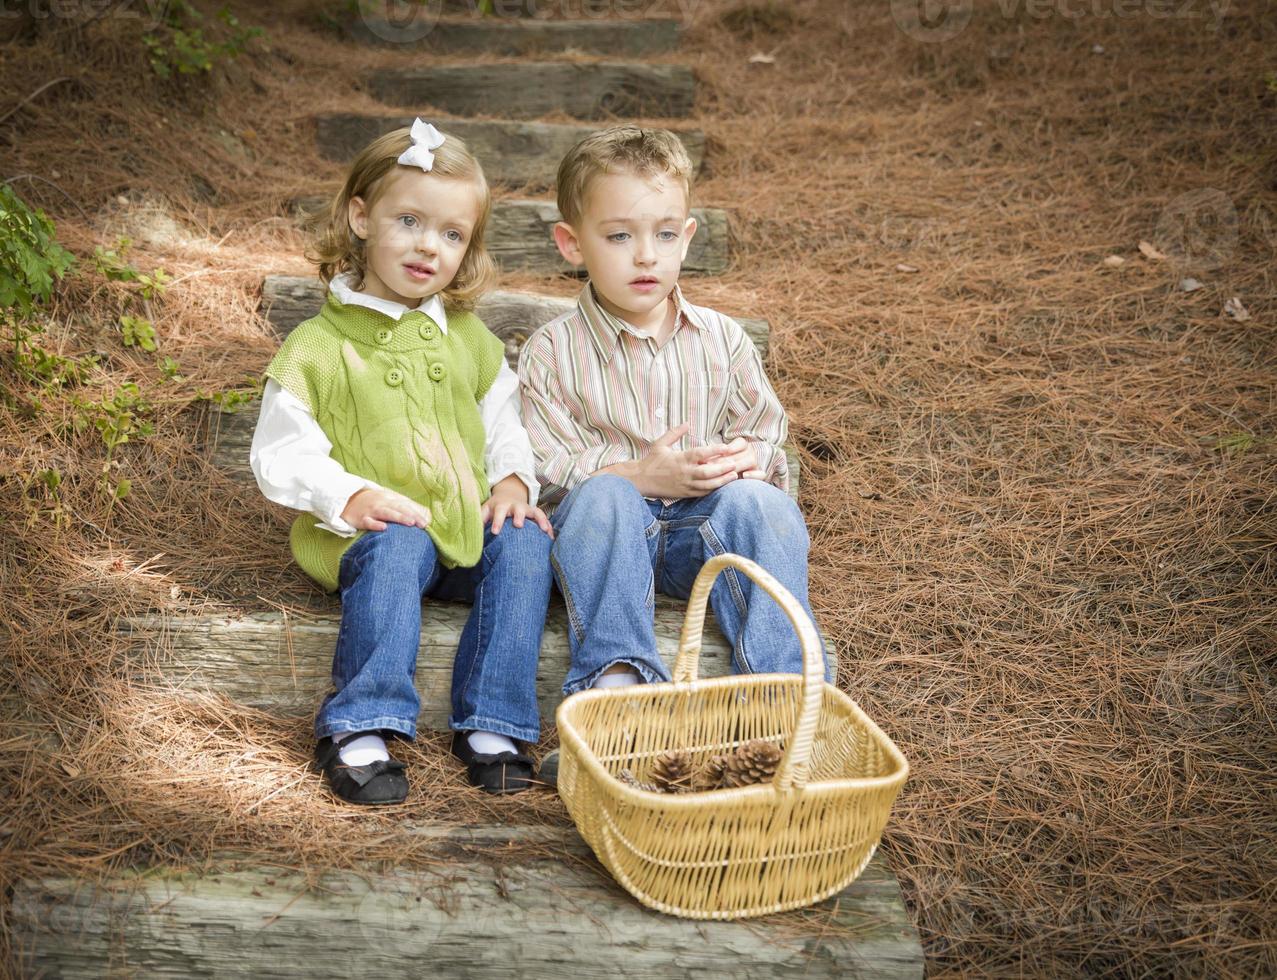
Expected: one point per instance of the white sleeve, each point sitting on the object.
(509, 451)
(290, 458)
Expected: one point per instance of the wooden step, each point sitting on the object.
(282, 663)
(425, 30)
(536, 912)
(288, 300)
(512, 152)
(520, 236)
(526, 90)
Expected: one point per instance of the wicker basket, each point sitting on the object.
(730, 853)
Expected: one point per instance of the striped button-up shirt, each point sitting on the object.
(597, 392)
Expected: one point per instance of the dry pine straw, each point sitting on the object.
(1052, 584)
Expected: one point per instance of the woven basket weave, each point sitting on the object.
(730, 853)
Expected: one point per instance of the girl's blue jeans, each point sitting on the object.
(614, 549)
(382, 579)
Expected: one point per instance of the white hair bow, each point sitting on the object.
(425, 140)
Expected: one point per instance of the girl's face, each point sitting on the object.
(415, 234)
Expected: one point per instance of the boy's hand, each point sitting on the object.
(743, 458)
(510, 499)
(370, 510)
(668, 472)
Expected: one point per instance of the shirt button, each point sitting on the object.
(438, 372)
(394, 377)
(427, 331)
(660, 413)
(385, 335)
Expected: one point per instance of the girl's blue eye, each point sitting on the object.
(455, 236)
(408, 220)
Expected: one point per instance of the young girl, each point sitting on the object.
(391, 420)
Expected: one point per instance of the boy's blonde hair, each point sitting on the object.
(628, 149)
(336, 249)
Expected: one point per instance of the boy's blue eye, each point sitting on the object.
(618, 236)
(667, 235)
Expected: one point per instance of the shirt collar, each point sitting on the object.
(605, 328)
(342, 287)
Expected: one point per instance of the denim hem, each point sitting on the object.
(478, 723)
(397, 725)
(645, 670)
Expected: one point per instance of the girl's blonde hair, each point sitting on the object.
(336, 249)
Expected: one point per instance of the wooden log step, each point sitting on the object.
(512, 152)
(526, 90)
(424, 30)
(554, 912)
(283, 663)
(520, 237)
(288, 300)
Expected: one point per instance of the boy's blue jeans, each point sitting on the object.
(382, 579)
(614, 549)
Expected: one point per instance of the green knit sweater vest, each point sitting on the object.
(399, 401)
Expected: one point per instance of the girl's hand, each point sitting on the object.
(370, 510)
(510, 499)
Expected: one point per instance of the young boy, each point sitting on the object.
(654, 428)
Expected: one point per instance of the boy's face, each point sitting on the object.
(632, 236)
(415, 234)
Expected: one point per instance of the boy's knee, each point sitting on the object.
(760, 504)
(600, 497)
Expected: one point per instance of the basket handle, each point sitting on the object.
(793, 768)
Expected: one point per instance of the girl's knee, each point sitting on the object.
(525, 544)
(399, 546)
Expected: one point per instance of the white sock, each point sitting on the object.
(620, 679)
(490, 743)
(356, 749)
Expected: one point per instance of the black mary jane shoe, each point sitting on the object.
(377, 784)
(504, 772)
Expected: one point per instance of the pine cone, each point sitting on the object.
(629, 779)
(753, 762)
(672, 771)
(711, 777)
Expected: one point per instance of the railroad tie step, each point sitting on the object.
(423, 29)
(513, 152)
(526, 90)
(489, 909)
(512, 316)
(282, 662)
(520, 237)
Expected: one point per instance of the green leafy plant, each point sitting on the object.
(138, 332)
(231, 400)
(181, 47)
(30, 258)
